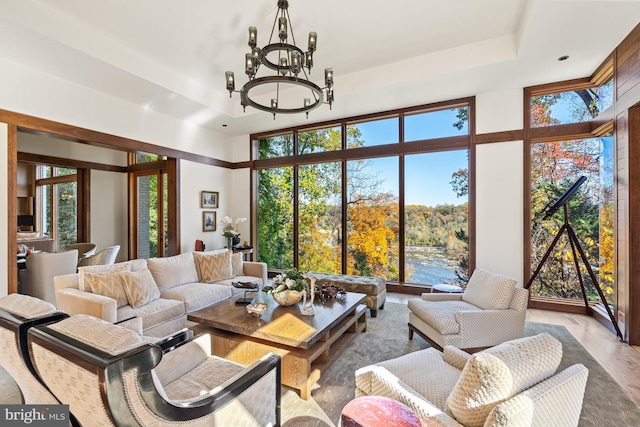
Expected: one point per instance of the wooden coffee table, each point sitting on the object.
(300, 340)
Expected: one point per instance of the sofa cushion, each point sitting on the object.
(237, 264)
(108, 284)
(139, 287)
(97, 269)
(489, 291)
(173, 271)
(440, 315)
(26, 306)
(154, 312)
(213, 266)
(198, 295)
(495, 375)
(105, 336)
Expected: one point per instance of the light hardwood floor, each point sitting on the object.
(619, 359)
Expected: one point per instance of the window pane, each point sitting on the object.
(66, 215)
(320, 217)
(571, 107)
(318, 141)
(148, 157)
(165, 210)
(377, 132)
(47, 209)
(275, 217)
(372, 197)
(276, 146)
(147, 216)
(436, 217)
(436, 124)
(555, 166)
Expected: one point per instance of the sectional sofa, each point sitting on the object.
(157, 292)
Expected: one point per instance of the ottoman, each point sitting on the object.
(374, 287)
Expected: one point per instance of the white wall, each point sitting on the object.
(195, 178)
(499, 185)
(109, 215)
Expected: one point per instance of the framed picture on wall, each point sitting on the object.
(208, 221)
(209, 199)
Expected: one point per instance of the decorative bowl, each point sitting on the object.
(257, 309)
(287, 298)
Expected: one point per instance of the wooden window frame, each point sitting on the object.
(399, 149)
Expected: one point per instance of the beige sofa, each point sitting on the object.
(512, 384)
(160, 291)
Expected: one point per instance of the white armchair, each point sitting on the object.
(512, 384)
(491, 310)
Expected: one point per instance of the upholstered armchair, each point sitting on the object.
(37, 278)
(513, 384)
(490, 311)
(19, 313)
(111, 376)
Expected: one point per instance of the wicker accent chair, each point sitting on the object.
(19, 313)
(111, 376)
(491, 310)
(513, 384)
(107, 256)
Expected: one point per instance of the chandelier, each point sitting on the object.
(289, 62)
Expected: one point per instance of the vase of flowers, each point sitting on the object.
(230, 230)
(288, 287)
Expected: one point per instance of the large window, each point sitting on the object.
(355, 198)
(558, 160)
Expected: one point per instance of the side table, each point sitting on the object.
(446, 289)
(245, 250)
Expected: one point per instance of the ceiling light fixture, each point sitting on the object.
(289, 69)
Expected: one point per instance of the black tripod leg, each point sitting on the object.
(575, 261)
(573, 236)
(546, 255)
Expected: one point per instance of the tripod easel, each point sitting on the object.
(575, 244)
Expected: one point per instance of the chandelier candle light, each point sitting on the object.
(289, 62)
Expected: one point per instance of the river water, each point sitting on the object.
(430, 265)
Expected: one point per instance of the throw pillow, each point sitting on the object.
(123, 266)
(499, 373)
(108, 284)
(139, 287)
(237, 264)
(489, 291)
(173, 271)
(213, 267)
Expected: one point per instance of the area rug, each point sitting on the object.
(605, 402)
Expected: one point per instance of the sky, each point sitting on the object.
(427, 176)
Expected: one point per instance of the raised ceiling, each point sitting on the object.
(170, 55)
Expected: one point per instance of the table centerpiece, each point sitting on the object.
(288, 288)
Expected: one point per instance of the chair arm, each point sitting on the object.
(441, 297)
(66, 281)
(558, 399)
(384, 383)
(475, 324)
(74, 301)
(255, 269)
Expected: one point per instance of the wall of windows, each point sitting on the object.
(386, 196)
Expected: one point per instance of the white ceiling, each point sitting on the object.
(171, 55)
